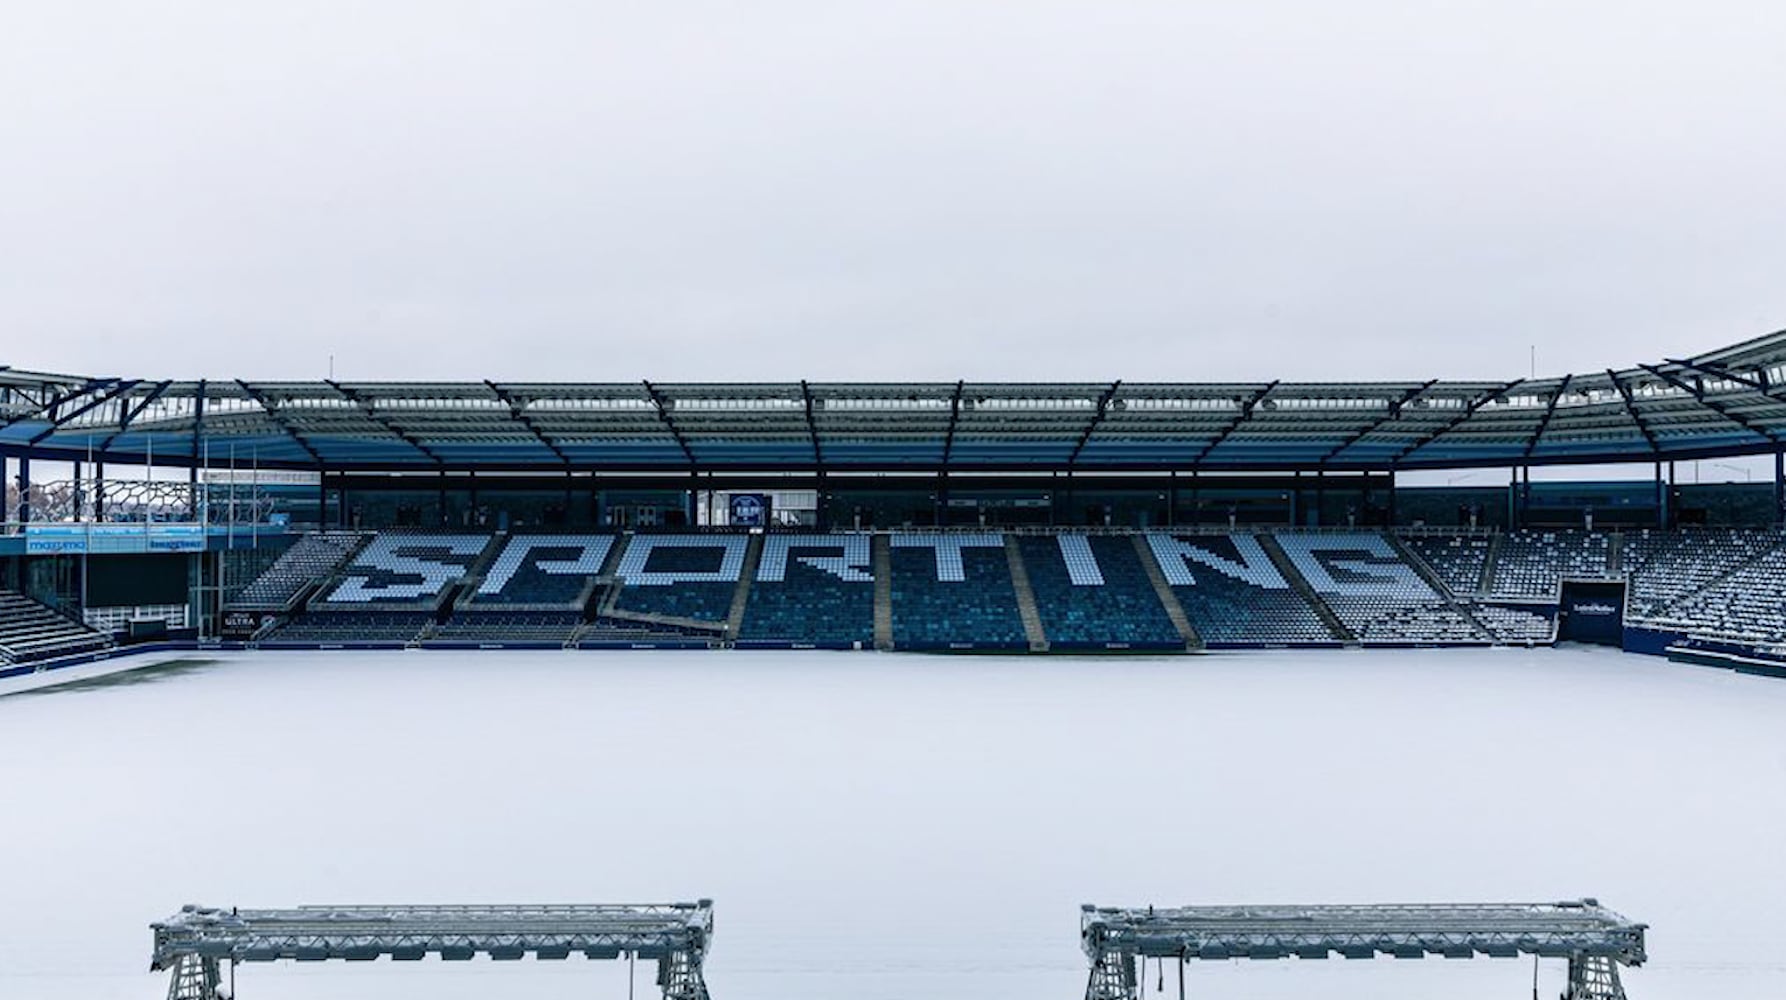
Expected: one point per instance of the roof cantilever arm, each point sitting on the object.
(1698, 393)
(1096, 419)
(517, 414)
(663, 406)
(1395, 412)
(43, 408)
(954, 420)
(812, 425)
(387, 423)
(1550, 410)
(99, 399)
(1455, 422)
(280, 421)
(1636, 416)
(1246, 413)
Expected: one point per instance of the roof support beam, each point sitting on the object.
(387, 423)
(812, 425)
(1636, 417)
(1717, 371)
(278, 419)
(515, 413)
(1697, 391)
(664, 406)
(1469, 411)
(1096, 419)
(46, 409)
(1395, 412)
(954, 420)
(1550, 410)
(1245, 414)
(128, 414)
(99, 399)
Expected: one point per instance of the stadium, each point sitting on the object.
(1130, 516)
(294, 541)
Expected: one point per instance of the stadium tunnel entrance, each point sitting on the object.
(1592, 612)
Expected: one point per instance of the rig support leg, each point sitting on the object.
(1594, 977)
(194, 978)
(1112, 978)
(680, 977)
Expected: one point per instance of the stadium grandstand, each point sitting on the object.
(940, 516)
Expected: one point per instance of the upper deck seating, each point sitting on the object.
(1455, 559)
(1532, 564)
(1233, 594)
(953, 589)
(31, 631)
(543, 571)
(682, 576)
(405, 568)
(311, 559)
(812, 589)
(1094, 590)
(1380, 598)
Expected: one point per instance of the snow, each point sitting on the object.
(875, 827)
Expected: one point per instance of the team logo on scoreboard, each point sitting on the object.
(750, 510)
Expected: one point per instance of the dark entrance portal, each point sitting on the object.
(1592, 612)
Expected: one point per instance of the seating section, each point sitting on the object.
(543, 571)
(953, 590)
(328, 627)
(1515, 625)
(30, 631)
(406, 569)
(1457, 560)
(312, 558)
(1747, 606)
(1094, 591)
(1677, 565)
(815, 589)
(509, 626)
(1363, 580)
(1233, 594)
(1531, 565)
(681, 576)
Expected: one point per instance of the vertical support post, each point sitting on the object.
(1780, 487)
(198, 442)
(24, 488)
(322, 498)
(1391, 497)
(5, 508)
(193, 978)
(680, 977)
(1112, 978)
(1661, 499)
(1594, 977)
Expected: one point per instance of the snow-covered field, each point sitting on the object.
(876, 826)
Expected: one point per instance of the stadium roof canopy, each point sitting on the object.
(1724, 403)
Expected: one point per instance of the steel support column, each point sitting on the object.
(193, 978)
(24, 488)
(680, 977)
(1780, 488)
(1594, 977)
(1112, 978)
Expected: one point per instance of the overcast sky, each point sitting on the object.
(770, 191)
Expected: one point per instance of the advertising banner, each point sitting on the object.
(112, 539)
